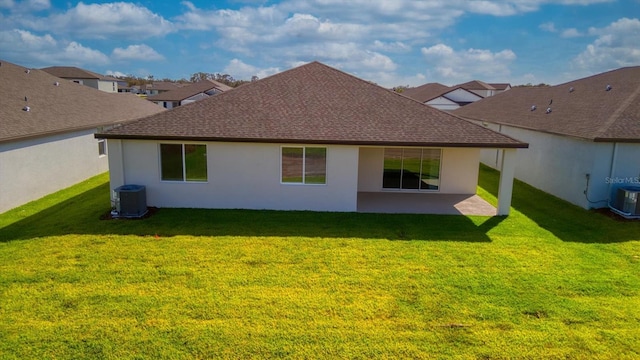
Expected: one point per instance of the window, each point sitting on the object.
(411, 169)
(183, 162)
(304, 165)
(102, 147)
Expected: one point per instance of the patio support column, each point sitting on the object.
(505, 189)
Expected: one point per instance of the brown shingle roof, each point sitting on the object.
(426, 92)
(427, 96)
(313, 103)
(476, 85)
(188, 91)
(70, 72)
(62, 108)
(589, 111)
(500, 86)
(162, 86)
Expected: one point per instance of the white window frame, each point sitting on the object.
(103, 146)
(421, 159)
(184, 164)
(304, 165)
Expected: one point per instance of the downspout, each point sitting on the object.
(499, 150)
(124, 175)
(612, 168)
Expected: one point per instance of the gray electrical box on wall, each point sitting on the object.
(130, 201)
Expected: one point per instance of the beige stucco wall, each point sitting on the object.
(458, 172)
(559, 164)
(240, 175)
(33, 168)
(108, 86)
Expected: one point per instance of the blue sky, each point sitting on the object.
(390, 42)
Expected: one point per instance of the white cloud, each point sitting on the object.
(26, 40)
(75, 51)
(396, 46)
(456, 66)
(38, 51)
(571, 33)
(548, 26)
(137, 52)
(242, 71)
(616, 46)
(115, 73)
(101, 21)
(25, 6)
(7, 4)
(36, 5)
(503, 8)
(513, 7)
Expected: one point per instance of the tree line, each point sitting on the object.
(195, 77)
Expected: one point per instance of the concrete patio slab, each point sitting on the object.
(423, 203)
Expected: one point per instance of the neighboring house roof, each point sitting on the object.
(500, 86)
(71, 72)
(313, 104)
(452, 95)
(188, 91)
(476, 85)
(59, 106)
(582, 108)
(426, 92)
(161, 86)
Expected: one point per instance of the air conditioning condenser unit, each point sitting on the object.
(627, 202)
(130, 201)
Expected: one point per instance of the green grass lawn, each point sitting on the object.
(549, 281)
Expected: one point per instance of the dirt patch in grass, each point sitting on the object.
(150, 212)
(610, 214)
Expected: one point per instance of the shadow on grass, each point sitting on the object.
(81, 215)
(566, 221)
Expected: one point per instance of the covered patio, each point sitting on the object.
(424, 203)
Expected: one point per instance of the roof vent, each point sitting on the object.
(608, 88)
(533, 107)
(571, 89)
(548, 110)
(26, 108)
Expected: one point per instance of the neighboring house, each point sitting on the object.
(500, 87)
(158, 87)
(123, 87)
(84, 77)
(479, 87)
(584, 135)
(310, 138)
(47, 131)
(189, 93)
(442, 97)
